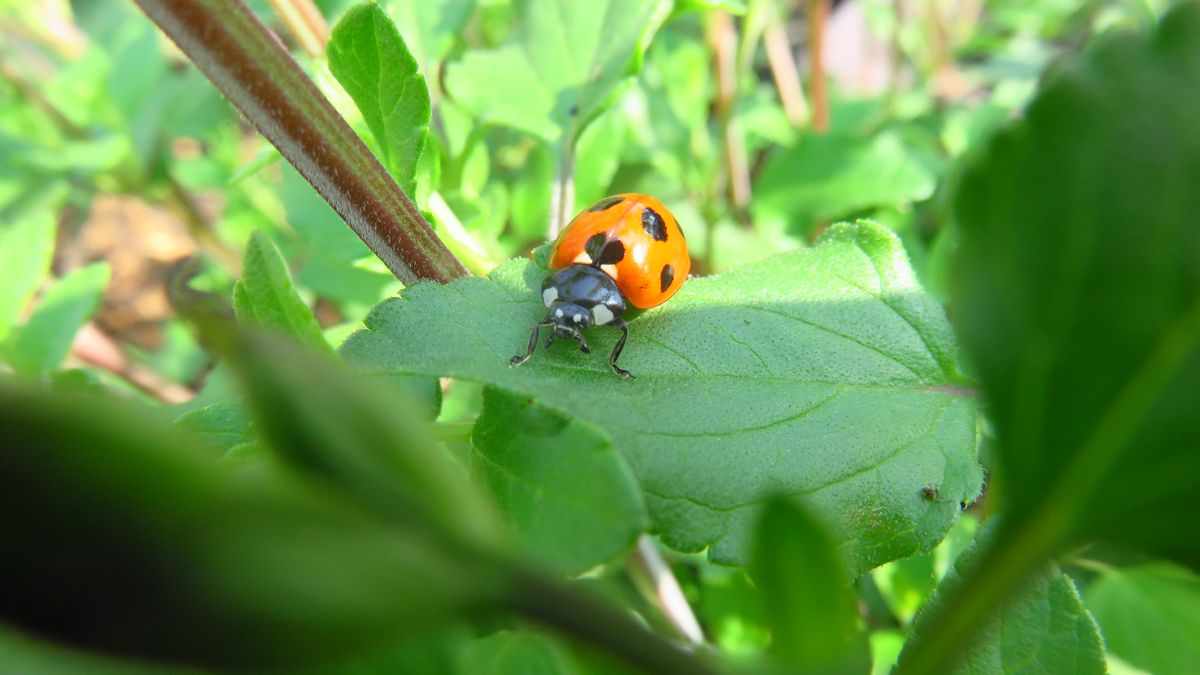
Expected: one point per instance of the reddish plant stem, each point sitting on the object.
(248, 64)
(818, 15)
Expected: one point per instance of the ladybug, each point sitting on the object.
(623, 250)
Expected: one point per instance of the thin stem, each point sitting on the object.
(818, 16)
(562, 192)
(94, 347)
(784, 70)
(248, 65)
(304, 21)
(653, 573)
(722, 35)
(592, 621)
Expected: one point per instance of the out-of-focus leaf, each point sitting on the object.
(559, 484)
(265, 297)
(905, 584)
(121, 536)
(569, 61)
(1077, 288)
(43, 342)
(1042, 628)
(597, 157)
(430, 27)
(26, 244)
(220, 426)
(23, 655)
(810, 606)
(358, 434)
(731, 6)
(516, 653)
(369, 58)
(824, 372)
(1150, 615)
(827, 176)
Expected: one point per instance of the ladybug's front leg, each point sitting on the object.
(616, 352)
(533, 338)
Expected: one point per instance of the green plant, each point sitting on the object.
(939, 372)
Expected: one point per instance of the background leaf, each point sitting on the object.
(827, 176)
(265, 297)
(26, 245)
(809, 603)
(43, 342)
(369, 58)
(1150, 615)
(1041, 628)
(825, 373)
(569, 496)
(568, 61)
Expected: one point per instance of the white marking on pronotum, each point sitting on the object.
(549, 295)
(602, 315)
(610, 270)
(577, 318)
(583, 258)
(558, 312)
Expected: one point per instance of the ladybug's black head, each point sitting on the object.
(569, 319)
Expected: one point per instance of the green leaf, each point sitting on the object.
(41, 344)
(1150, 615)
(26, 245)
(1042, 628)
(220, 426)
(809, 604)
(823, 372)
(368, 57)
(905, 584)
(1079, 290)
(827, 176)
(26, 656)
(430, 27)
(569, 496)
(566, 64)
(265, 297)
(125, 537)
(360, 435)
(516, 653)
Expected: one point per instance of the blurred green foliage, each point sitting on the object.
(180, 491)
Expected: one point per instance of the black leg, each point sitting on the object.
(533, 338)
(616, 352)
(583, 345)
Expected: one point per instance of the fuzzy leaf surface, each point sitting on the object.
(823, 372)
(570, 497)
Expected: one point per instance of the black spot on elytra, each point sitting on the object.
(605, 204)
(654, 225)
(604, 251)
(667, 276)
